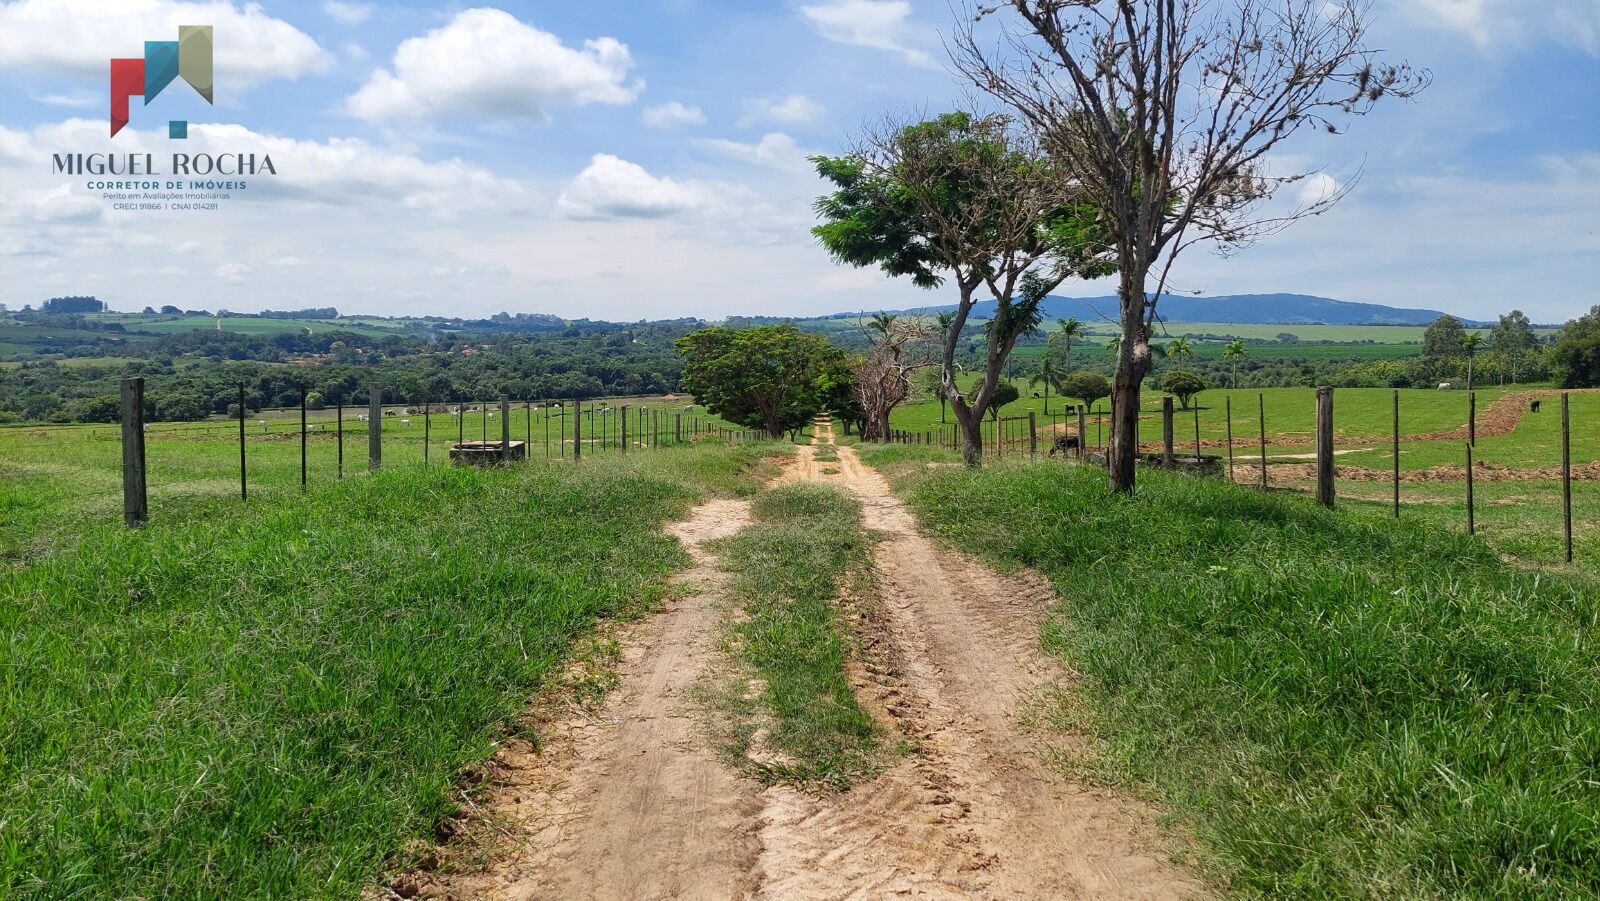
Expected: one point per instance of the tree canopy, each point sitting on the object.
(1576, 355)
(773, 377)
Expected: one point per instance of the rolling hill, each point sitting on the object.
(1285, 309)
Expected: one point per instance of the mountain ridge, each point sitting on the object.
(1252, 309)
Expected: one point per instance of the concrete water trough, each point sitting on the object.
(1204, 465)
(485, 453)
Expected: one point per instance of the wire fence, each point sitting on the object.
(329, 441)
(1244, 445)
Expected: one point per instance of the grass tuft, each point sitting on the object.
(792, 566)
(1335, 704)
(270, 700)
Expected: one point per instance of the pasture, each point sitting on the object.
(55, 478)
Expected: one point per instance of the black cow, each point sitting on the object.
(1064, 444)
(1534, 406)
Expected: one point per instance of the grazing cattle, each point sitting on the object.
(1064, 444)
(262, 423)
(405, 422)
(1445, 386)
(361, 417)
(1534, 407)
(390, 413)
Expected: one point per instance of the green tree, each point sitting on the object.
(1183, 385)
(970, 197)
(1045, 372)
(1066, 330)
(773, 377)
(1470, 342)
(1087, 386)
(1180, 348)
(1004, 393)
(1514, 339)
(1233, 353)
(1576, 354)
(1442, 339)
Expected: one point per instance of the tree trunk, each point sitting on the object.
(1133, 361)
(971, 426)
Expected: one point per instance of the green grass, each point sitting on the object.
(56, 479)
(267, 701)
(1332, 703)
(791, 565)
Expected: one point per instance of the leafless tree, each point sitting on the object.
(898, 347)
(1165, 112)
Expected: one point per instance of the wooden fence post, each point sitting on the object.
(135, 502)
(623, 420)
(1397, 453)
(339, 427)
(1566, 474)
(1227, 404)
(244, 493)
(1325, 445)
(1083, 430)
(302, 437)
(1197, 433)
(1033, 436)
(427, 429)
(577, 431)
(1471, 521)
(527, 447)
(505, 428)
(1261, 408)
(1472, 417)
(677, 428)
(375, 428)
(1166, 430)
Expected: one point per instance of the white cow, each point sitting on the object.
(405, 422)
(1445, 386)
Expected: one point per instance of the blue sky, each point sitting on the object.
(646, 159)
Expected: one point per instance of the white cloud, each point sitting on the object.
(611, 187)
(487, 64)
(775, 149)
(347, 13)
(232, 272)
(1316, 188)
(879, 24)
(290, 260)
(76, 98)
(671, 114)
(795, 109)
(76, 37)
(1570, 23)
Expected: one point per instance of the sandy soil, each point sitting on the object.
(634, 804)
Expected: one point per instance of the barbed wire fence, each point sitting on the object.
(1068, 434)
(568, 430)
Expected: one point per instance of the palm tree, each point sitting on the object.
(1179, 347)
(943, 322)
(1069, 328)
(1047, 373)
(1233, 353)
(1470, 342)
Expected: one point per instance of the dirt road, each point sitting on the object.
(635, 806)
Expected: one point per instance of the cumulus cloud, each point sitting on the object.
(76, 37)
(775, 149)
(879, 24)
(611, 187)
(342, 172)
(232, 272)
(673, 113)
(347, 13)
(1570, 23)
(795, 109)
(487, 64)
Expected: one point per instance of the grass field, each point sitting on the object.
(790, 568)
(268, 700)
(55, 478)
(242, 325)
(1333, 704)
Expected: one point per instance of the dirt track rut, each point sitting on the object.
(633, 804)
